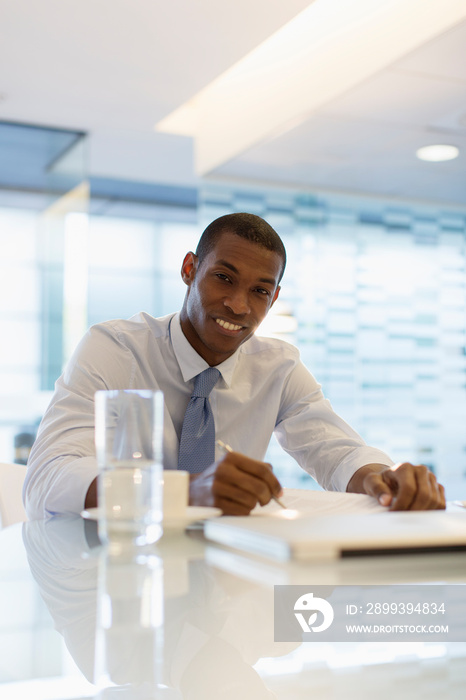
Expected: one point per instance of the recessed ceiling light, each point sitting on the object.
(438, 152)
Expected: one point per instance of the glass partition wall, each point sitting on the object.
(374, 296)
(42, 191)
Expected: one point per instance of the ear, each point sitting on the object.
(189, 267)
(275, 296)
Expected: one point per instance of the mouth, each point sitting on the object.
(228, 326)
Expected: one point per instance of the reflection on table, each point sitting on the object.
(186, 619)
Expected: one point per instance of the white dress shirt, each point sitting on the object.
(263, 388)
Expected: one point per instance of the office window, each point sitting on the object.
(20, 321)
(19, 301)
(133, 261)
(134, 265)
(122, 257)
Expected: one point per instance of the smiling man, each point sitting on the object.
(260, 387)
(231, 288)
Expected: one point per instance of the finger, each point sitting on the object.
(234, 478)
(426, 494)
(442, 498)
(403, 484)
(232, 499)
(260, 470)
(375, 486)
(439, 491)
(233, 508)
(250, 474)
(430, 494)
(417, 488)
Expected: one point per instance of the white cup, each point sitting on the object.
(175, 493)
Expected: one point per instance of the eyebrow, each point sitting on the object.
(264, 280)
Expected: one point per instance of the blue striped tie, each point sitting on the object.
(197, 443)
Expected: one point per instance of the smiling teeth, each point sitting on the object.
(228, 326)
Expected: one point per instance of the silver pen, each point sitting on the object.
(227, 448)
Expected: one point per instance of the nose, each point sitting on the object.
(237, 301)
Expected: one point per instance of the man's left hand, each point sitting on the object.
(404, 486)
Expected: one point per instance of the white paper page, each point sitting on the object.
(308, 502)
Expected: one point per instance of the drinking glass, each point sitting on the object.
(129, 448)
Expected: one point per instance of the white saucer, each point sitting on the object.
(193, 514)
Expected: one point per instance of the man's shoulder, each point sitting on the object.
(141, 322)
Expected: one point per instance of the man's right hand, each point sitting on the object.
(91, 496)
(236, 484)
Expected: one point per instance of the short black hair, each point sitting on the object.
(249, 226)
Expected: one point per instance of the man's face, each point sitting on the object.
(228, 296)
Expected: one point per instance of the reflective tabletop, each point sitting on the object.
(189, 619)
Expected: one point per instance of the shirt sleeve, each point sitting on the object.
(320, 441)
(62, 463)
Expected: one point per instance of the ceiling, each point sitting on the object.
(115, 68)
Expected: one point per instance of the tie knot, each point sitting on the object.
(205, 382)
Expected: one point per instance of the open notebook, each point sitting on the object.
(320, 525)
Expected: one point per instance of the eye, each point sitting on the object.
(222, 276)
(263, 291)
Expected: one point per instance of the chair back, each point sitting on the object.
(11, 500)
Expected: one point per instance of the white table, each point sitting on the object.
(194, 621)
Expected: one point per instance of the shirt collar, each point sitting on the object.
(190, 362)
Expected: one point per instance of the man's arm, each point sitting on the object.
(332, 452)
(62, 463)
(404, 486)
(236, 484)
